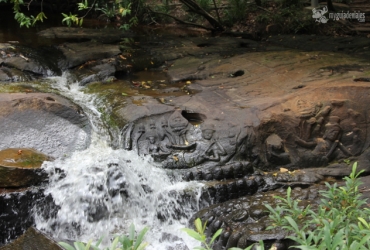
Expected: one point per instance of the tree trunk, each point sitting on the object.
(194, 7)
(330, 5)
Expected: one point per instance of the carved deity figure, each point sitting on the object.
(153, 147)
(312, 116)
(328, 145)
(275, 150)
(179, 127)
(205, 149)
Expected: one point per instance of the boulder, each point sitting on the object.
(20, 167)
(33, 239)
(45, 122)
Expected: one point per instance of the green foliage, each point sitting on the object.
(71, 18)
(200, 236)
(236, 12)
(122, 242)
(339, 222)
(111, 9)
(260, 246)
(205, 4)
(290, 19)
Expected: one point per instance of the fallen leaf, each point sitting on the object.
(274, 174)
(175, 158)
(122, 57)
(124, 94)
(283, 170)
(19, 152)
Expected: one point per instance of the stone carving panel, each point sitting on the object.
(311, 135)
(177, 143)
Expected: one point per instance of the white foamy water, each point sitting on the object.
(100, 191)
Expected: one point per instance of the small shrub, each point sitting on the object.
(122, 242)
(338, 223)
(200, 236)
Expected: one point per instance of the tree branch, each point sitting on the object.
(193, 6)
(181, 21)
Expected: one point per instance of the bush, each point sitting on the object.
(339, 222)
(122, 242)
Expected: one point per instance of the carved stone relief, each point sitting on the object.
(322, 133)
(174, 141)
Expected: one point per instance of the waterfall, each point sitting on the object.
(98, 192)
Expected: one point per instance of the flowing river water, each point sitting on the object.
(101, 191)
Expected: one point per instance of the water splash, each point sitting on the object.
(100, 191)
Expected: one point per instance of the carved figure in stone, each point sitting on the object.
(327, 146)
(179, 127)
(275, 151)
(352, 135)
(140, 132)
(312, 117)
(152, 125)
(153, 147)
(205, 149)
(164, 134)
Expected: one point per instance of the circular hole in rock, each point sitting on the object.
(237, 73)
(244, 45)
(193, 118)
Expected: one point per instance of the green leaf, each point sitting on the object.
(79, 245)
(124, 94)
(292, 223)
(364, 222)
(198, 225)
(66, 246)
(140, 237)
(142, 246)
(131, 235)
(114, 243)
(193, 234)
(219, 231)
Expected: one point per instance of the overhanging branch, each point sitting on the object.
(181, 21)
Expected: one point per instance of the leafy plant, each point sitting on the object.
(261, 246)
(337, 223)
(122, 242)
(236, 12)
(200, 236)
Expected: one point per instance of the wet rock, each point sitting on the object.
(174, 241)
(14, 75)
(20, 167)
(76, 54)
(45, 122)
(33, 239)
(245, 219)
(105, 35)
(16, 211)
